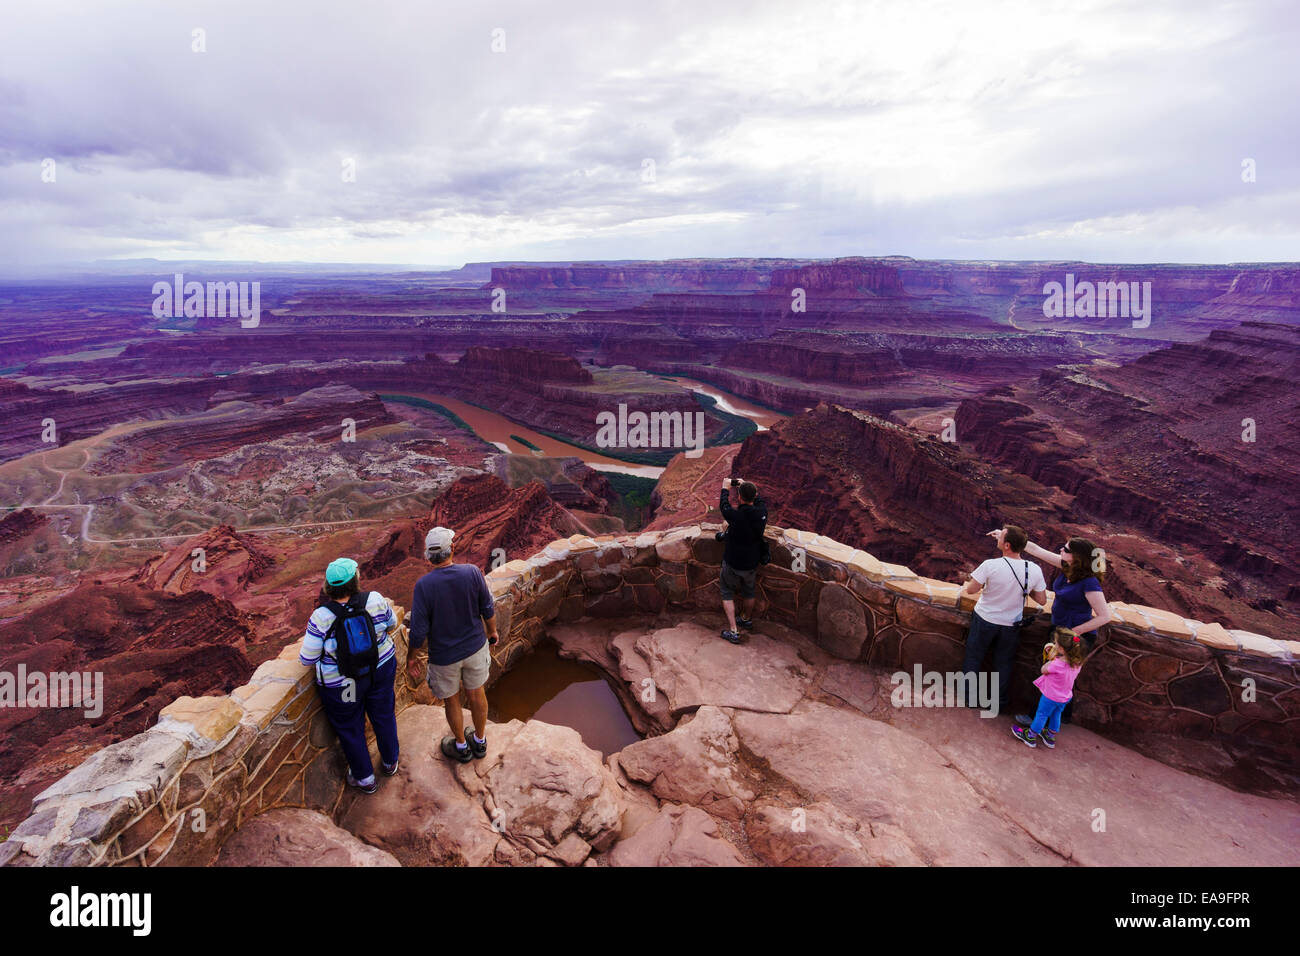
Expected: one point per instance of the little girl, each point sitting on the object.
(1064, 659)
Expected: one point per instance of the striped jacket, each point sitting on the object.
(318, 650)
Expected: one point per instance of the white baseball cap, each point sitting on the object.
(438, 541)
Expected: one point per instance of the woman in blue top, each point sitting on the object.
(1079, 602)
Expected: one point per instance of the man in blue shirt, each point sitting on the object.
(453, 611)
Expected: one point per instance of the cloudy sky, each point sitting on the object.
(608, 130)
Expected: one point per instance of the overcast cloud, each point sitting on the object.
(1081, 129)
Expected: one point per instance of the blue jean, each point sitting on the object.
(1049, 714)
(374, 697)
(1002, 638)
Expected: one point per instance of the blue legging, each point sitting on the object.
(1049, 714)
(374, 697)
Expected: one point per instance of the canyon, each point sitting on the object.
(908, 408)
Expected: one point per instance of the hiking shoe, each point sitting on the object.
(478, 750)
(371, 787)
(1025, 735)
(745, 623)
(1024, 720)
(731, 636)
(1048, 738)
(390, 768)
(452, 752)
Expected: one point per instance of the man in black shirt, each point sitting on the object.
(742, 554)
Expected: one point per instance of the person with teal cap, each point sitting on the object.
(349, 643)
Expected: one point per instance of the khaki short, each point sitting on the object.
(446, 679)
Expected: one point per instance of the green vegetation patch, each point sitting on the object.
(634, 492)
(525, 442)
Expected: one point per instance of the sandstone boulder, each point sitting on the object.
(549, 789)
(821, 834)
(634, 669)
(678, 836)
(297, 837)
(692, 666)
(694, 764)
(585, 642)
(540, 789)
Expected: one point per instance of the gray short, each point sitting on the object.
(731, 581)
(446, 679)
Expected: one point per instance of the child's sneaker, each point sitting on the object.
(1025, 735)
(371, 787)
(1048, 738)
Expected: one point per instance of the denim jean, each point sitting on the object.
(1003, 638)
(374, 697)
(1049, 714)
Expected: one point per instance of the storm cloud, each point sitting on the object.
(440, 133)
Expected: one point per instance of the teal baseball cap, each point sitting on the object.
(340, 571)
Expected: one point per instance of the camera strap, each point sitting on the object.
(1024, 588)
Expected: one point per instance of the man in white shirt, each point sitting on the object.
(1002, 583)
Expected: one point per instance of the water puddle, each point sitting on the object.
(569, 693)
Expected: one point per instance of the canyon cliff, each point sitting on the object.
(150, 647)
(1184, 444)
(493, 520)
(915, 500)
(852, 276)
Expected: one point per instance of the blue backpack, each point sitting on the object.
(353, 630)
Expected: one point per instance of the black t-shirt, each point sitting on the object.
(744, 532)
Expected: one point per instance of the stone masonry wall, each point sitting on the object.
(171, 795)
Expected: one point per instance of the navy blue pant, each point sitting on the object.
(1002, 638)
(374, 697)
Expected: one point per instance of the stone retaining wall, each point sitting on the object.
(174, 793)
